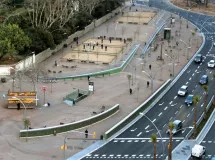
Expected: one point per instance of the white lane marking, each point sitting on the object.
(143, 140)
(165, 108)
(188, 115)
(147, 127)
(196, 70)
(164, 125)
(187, 82)
(192, 109)
(203, 141)
(176, 112)
(177, 140)
(137, 139)
(193, 74)
(170, 119)
(122, 141)
(139, 134)
(161, 104)
(209, 141)
(190, 78)
(183, 121)
(200, 98)
(202, 105)
(210, 72)
(174, 104)
(154, 120)
(198, 67)
(181, 106)
(163, 140)
(188, 71)
(132, 130)
(175, 97)
(192, 91)
(129, 141)
(115, 141)
(160, 114)
(196, 86)
(170, 102)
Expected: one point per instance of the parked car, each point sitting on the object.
(198, 151)
(177, 127)
(189, 99)
(211, 63)
(183, 90)
(198, 58)
(204, 79)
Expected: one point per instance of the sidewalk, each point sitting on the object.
(109, 90)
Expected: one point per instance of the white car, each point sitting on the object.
(183, 90)
(211, 63)
(198, 151)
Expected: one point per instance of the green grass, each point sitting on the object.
(203, 122)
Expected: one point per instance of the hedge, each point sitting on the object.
(70, 126)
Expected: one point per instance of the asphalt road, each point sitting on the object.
(135, 143)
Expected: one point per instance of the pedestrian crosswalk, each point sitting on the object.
(124, 156)
(145, 140)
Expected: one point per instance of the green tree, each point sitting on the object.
(27, 123)
(195, 101)
(171, 127)
(12, 40)
(205, 87)
(154, 141)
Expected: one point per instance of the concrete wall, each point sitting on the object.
(4, 70)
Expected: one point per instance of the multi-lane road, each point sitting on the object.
(134, 143)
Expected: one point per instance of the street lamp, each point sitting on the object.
(142, 114)
(151, 78)
(173, 61)
(25, 114)
(188, 48)
(13, 78)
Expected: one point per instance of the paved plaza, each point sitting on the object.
(109, 90)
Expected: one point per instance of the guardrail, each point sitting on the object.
(136, 112)
(70, 126)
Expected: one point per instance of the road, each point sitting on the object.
(134, 142)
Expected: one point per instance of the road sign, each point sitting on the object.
(63, 147)
(43, 88)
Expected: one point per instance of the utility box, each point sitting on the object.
(167, 33)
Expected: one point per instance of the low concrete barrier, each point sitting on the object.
(70, 126)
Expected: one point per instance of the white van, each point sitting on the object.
(198, 151)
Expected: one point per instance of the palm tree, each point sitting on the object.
(171, 127)
(129, 80)
(27, 123)
(154, 141)
(214, 89)
(205, 87)
(195, 101)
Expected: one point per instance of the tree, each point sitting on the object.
(154, 141)
(171, 127)
(27, 123)
(129, 80)
(195, 101)
(205, 87)
(12, 40)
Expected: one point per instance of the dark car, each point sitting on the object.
(189, 99)
(198, 58)
(177, 127)
(204, 79)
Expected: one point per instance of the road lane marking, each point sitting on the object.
(154, 120)
(122, 141)
(187, 82)
(147, 127)
(176, 112)
(161, 104)
(139, 134)
(183, 121)
(160, 114)
(193, 74)
(164, 125)
(174, 104)
(170, 102)
(190, 78)
(170, 119)
(132, 130)
(165, 108)
(202, 105)
(188, 115)
(192, 109)
(181, 106)
(198, 67)
(175, 97)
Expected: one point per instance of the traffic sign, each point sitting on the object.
(63, 147)
(43, 88)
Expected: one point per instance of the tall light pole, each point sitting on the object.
(173, 61)
(188, 48)
(142, 114)
(13, 78)
(25, 114)
(151, 78)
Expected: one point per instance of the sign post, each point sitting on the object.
(44, 93)
(91, 86)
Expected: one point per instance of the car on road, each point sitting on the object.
(183, 90)
(198, 58)
(198, 151)
(204, 79)
(177, 127)
(211, 64)
(214, 44)
(189, 99)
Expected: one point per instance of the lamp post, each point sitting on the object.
(25, 114)
(155, 128)
(151, 78)
(188, 48)
(173, 61)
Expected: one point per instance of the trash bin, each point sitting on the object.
(101, 137)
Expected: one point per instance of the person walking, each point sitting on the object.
(147, 84)
(86, 133)
(130, 91)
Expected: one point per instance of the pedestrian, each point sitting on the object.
(110, 39)
(77, 42)
(130, 91)
(147, 84)
(150, 66)
(105, 48)
(88, 77)
(102, 46)
(102, 40)
(93, 47)
(18, 106)
(48, 104)
(84, 46)
(97, 43)
(55, 63)
(124, 40)
(86, 133)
